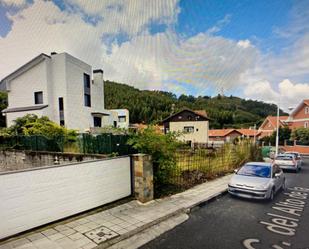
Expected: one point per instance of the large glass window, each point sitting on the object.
(87, 95)
(61, 111)
(38, 98)
(87, 100)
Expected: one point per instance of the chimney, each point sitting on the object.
(98, 71)
(98, 76)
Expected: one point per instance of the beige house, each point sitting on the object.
(194, 125)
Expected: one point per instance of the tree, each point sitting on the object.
(153, 106)
(284, 134)
(301, 134)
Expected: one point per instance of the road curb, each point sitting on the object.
(186, 210)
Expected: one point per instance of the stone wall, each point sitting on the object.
(17, 159)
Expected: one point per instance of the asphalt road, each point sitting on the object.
(232, 223)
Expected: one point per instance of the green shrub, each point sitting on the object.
(162, 149)
(31, 124)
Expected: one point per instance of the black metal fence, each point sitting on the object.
(105, 144)
(197, 166)
(85, 143)
(33, 143)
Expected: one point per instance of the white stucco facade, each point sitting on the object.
(198, 130)
(122, 117)
(54, 77)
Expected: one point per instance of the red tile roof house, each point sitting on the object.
(249, 133)
(270, 124)
(227, 135)
(224, 135)
(299, 117)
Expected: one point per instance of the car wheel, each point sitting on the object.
(272, 195)
(283, 187)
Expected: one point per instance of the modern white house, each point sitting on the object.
(61, 87)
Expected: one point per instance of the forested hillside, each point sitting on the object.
(153, 106)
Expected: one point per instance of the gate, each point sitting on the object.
(38, 196)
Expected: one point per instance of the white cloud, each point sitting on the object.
(43, 28)
(14, 3)
(244, 43)
(261, 90)
(282, 71)
(164, 60)
(289, 94)
(130, 17)
(145, 60)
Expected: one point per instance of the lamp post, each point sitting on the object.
(277, 132)
(254, 133)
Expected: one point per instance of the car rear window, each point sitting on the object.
(255, 170)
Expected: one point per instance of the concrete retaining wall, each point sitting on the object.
(11, 160)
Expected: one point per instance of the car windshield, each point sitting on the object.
(286, 158)
(292, 153)
(255, 170)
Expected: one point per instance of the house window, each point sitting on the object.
(188, 129)
(307, 110)
(87, 96)
(87, 100)
(97, 121)
(306, 125)
(61, 111)
(121, 119)
(38, 98)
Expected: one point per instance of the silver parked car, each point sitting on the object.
(257, 180)
(297, 157)
(288, 161)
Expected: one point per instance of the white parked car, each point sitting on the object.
(297, 157)
(288, 161)
(257, 180)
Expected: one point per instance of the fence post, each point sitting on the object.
(143, 177)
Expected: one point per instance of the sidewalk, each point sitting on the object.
(108, 227)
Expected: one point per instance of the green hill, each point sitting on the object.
(153, 106)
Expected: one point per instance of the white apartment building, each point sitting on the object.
(61, 87)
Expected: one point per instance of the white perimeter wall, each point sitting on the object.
(35, 197)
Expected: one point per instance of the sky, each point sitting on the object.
(251, 49)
